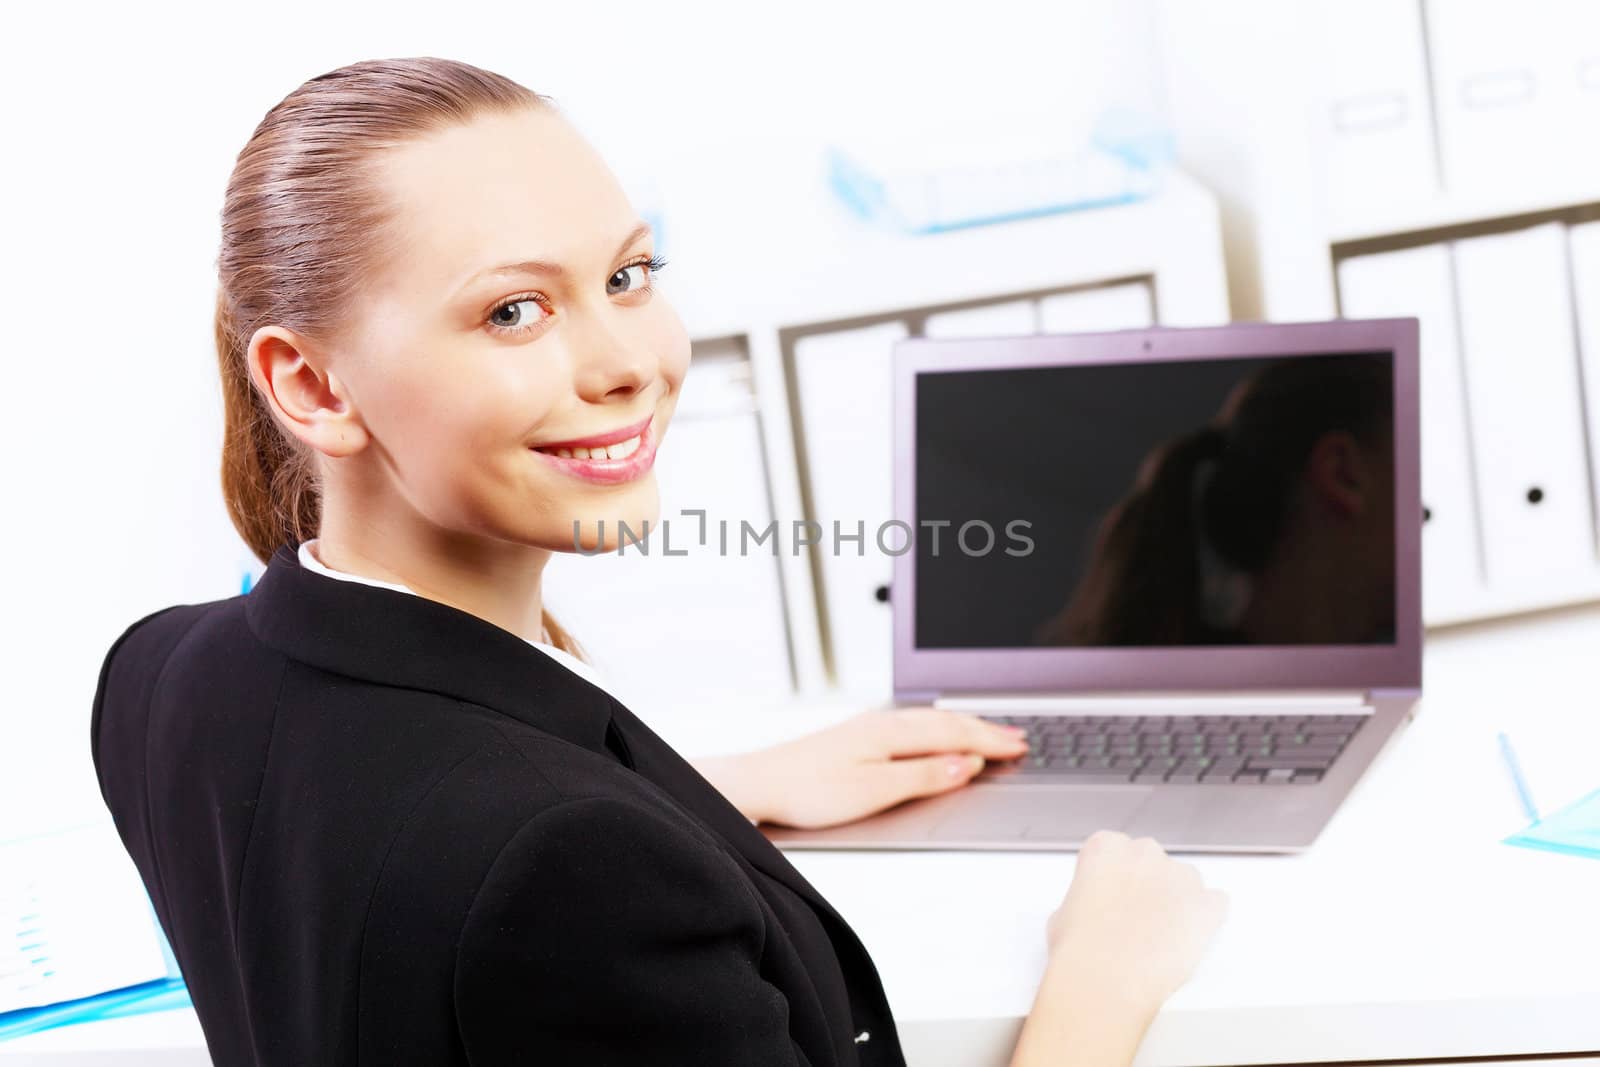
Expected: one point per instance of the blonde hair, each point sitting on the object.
(302, 225)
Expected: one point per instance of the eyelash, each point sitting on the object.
(655, 263)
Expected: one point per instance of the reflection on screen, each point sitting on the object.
(1201, 502)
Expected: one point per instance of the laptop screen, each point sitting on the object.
(1171, 502)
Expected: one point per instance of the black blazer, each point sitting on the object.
(378, 829)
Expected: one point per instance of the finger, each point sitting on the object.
(918, 731)
(1183, 877)
(1101, 840)
(951, 727)
(979, 732)
(1148, 850)
(902, 779)
(879, 727)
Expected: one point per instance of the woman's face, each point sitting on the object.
(515, 329)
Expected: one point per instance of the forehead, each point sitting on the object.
(502, 188)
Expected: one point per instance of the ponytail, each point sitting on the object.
(1141, 586)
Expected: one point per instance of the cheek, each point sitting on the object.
(445, 422)
(672, 342)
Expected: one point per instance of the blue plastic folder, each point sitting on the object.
(160, 995)
(1574, 830)
(163, 994)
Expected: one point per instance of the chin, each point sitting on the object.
(641, 534)
(630, 517)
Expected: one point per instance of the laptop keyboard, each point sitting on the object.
(1231, 749)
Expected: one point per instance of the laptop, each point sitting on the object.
(1185, 559)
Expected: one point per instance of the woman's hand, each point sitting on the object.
(1130, 931)
(860, 766)
(1134, 917)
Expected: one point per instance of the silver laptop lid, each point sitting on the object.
(1230, 507)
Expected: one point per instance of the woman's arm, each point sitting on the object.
(735, 778)
(1131, 929)
(855, 768)
(1077, 1022)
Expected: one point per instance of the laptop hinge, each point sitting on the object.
(1253, 702)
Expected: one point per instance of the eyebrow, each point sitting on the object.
(538, 266)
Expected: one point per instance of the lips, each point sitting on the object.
(610, 437)
(619, 455)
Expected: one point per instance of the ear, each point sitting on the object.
(306, 398)
(1338, 473)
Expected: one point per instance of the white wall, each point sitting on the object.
(122, 124)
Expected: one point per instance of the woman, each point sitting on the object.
(384, 812)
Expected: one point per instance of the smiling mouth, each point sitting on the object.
(613, 444)
(619, 455)
(620, 450)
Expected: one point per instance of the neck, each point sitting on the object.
(497, 581)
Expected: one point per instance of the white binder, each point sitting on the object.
(707, 624)
(988, 320)
(1574, 66)
(1417, 282)
(1109, 307)
(843, 386)
(1378, 119)
(1584, 255)
(1496, 92)
(1526, 412)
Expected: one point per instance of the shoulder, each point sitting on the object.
(146, 643)
(159, 626)
(143, 648)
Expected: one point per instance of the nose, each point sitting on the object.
(610, 365)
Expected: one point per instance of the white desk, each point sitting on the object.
(1408, 932)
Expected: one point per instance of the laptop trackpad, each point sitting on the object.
(1068, 813)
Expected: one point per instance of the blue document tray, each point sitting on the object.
(1574, 830)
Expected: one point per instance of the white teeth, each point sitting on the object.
(623, 448)
(620, 450)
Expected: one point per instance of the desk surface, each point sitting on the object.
(1407, 932)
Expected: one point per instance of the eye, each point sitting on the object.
(509, 317)
(626, 280)
(632, 277)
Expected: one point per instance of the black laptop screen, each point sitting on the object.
(1204, 502)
